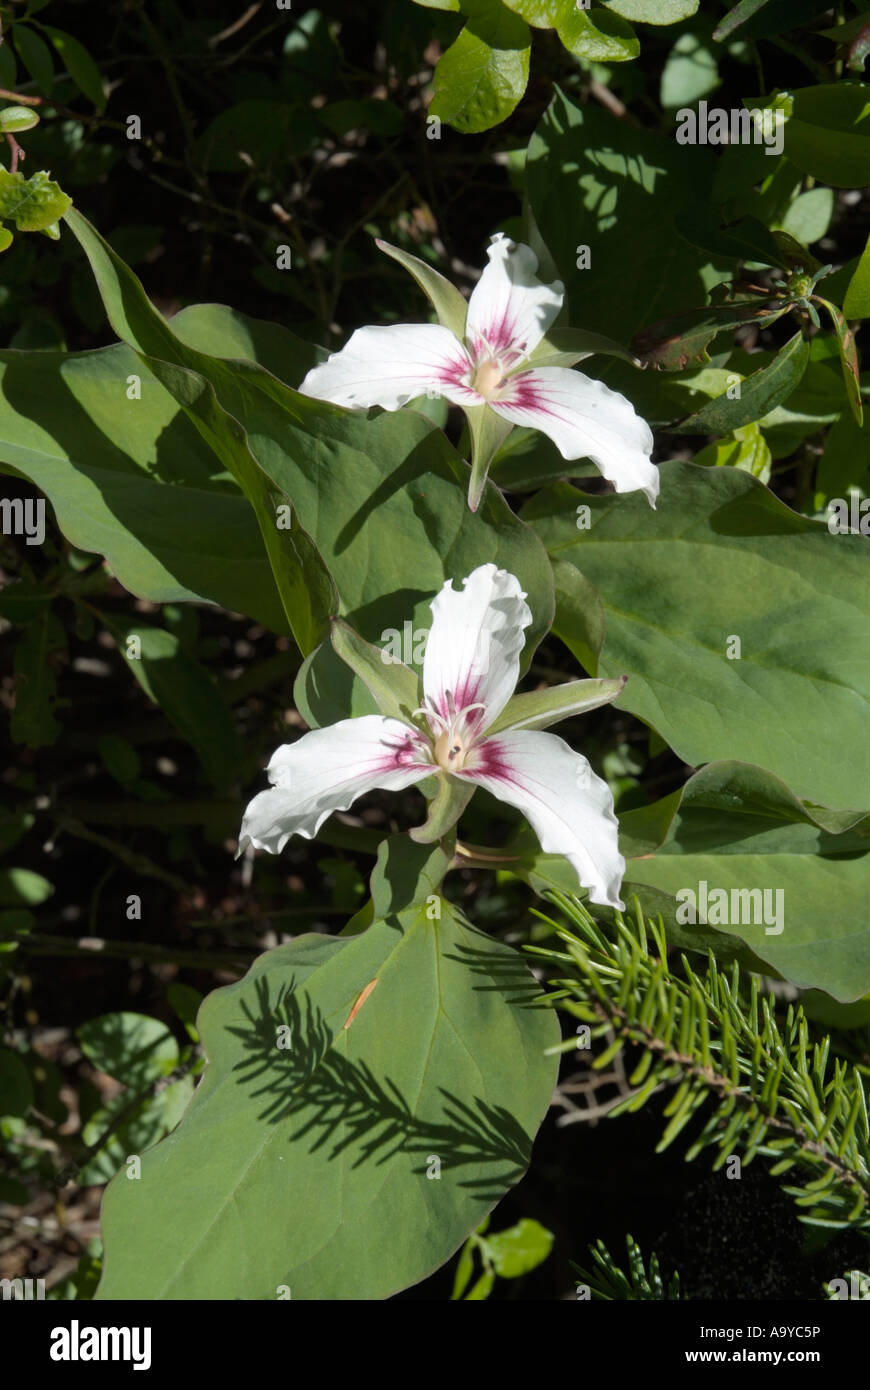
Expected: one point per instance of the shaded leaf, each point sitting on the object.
(79, 64)
(362, 1110)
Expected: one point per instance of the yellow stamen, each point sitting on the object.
(449, 752)
(487, 378)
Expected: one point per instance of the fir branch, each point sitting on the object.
(775, 1091)
(608, 1282)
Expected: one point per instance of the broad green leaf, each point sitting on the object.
(344, 1076)
(483, 74)
(740, 829)
(16, 1091)
(34, 203)
(303, 581)
(520, 1249)
(826, 130)
(760, 393)
(132, 479)
(131, 1047)
(33, 722)
(597, 36)
(406, 874)
(722, 558)
(378, 495)
(653, 11)
(541, 14)
(184, 691)
(856, 304)
(444, 297)
(36, 57)
(79, 64)
(5, 238)
(691, 72)
(848, 357)
(598, 182)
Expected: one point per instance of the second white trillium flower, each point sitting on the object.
(478, 357)
(467, 727)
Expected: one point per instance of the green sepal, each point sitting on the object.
(445, 298)
(394, 686)
(445, 808)
(488, 432)
(538, 709)
(562, 347)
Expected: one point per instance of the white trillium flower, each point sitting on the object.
(479, 360)
(467, 730)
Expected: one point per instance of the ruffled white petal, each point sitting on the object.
(325, 771)
(390, 366)
(510, 309)
(473, 648)
(584, 419)
(569, 808)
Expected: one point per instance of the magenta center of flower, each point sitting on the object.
(455, 733)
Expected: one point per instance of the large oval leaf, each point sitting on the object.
(131, 478)
(722, 558)
(353, 1161)
(797, 882)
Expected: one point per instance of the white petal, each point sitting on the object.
(325, 771)
(569, 808)
(510, 310)
(584, 419)
(390, 366)
(473, 648)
